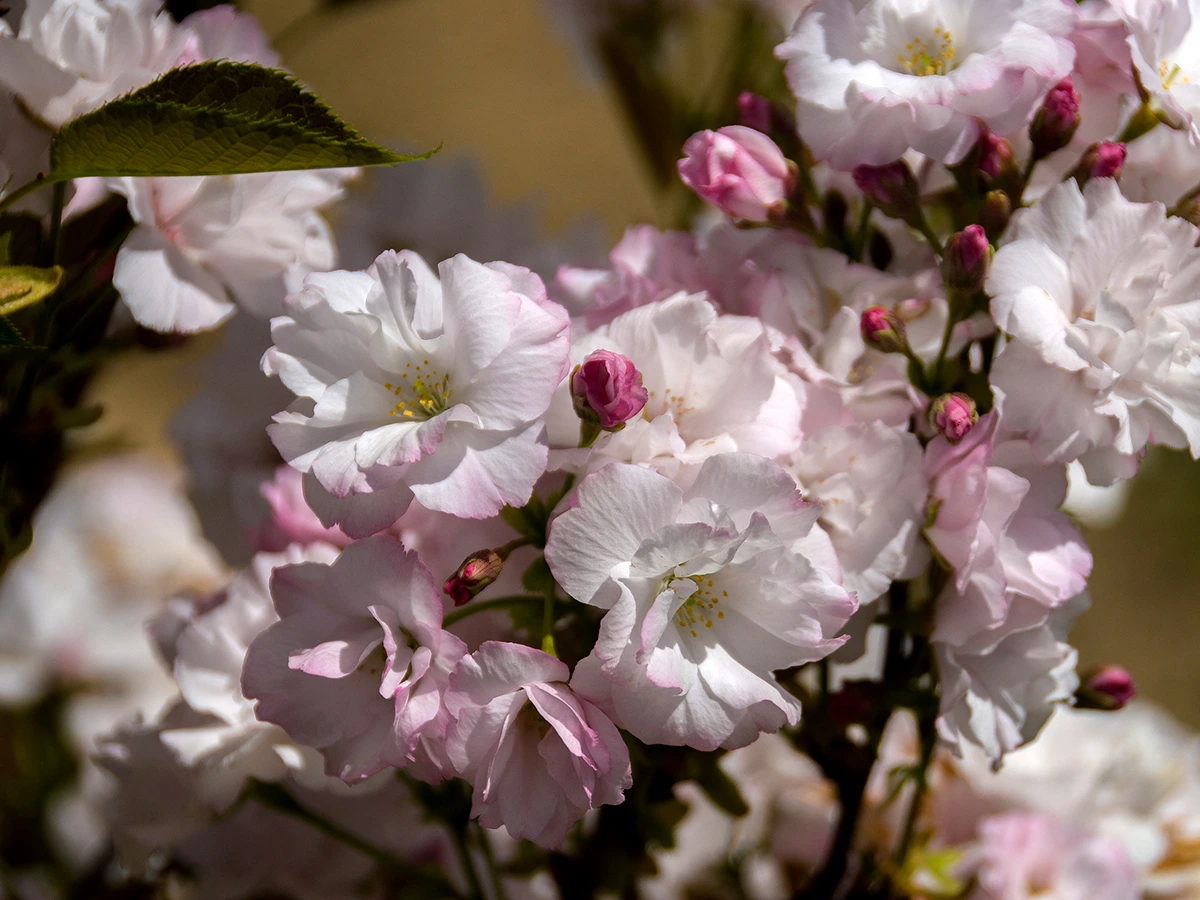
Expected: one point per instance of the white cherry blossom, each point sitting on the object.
(1099, 297)
(408, 385)
(874, 78)
(708, 591)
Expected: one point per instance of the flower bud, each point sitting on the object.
(996, 156)
(883, 330)
(1108, 687)
(965, 263)
(1055, 122)
(754, 111)
(1103, 160)
(757, 112)
(476, 572)
(738, 170)
(953, 415)
(892, 189)
(995, 213)
(607, 389)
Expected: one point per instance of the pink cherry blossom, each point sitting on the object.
(539, 756)
(358, 662)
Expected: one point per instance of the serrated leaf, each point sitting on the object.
(22, 286)
(9, 336)
(537, 579)
(213, 118)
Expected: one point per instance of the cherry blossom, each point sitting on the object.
(410, 386)
(357, 665)
(708, 591)
(1098, 295)
(538, 755)
(874, 78)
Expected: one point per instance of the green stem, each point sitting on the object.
(459, 832)
(931, 238)
(279, 798)
(1141, 122)
(471, 609)
(947, 333)
(24, 191)
(485, 847)
(927, 725)
(860, 233)
(54, 241)
(548, 623)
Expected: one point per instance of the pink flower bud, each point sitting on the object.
(953, 415)
(1103, 160)
(1109, 687)
(607, 389)
(738, 170)
(754, 111)
(1055, 122)
(476, 572)
(893, 188)
(883, 330)
(965, 263)
(995, 156)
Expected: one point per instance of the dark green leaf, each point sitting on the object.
(537, 579)
(720, 788)
(9, 336)
(213, 118)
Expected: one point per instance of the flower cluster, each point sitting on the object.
(783, 490)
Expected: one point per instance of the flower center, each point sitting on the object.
(423, 391)
(672, 403)
(934, 58)
(700, 610)
(1169, 74)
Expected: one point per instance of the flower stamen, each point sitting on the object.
(924, 59)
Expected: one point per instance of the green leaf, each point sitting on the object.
(720, 788)
(22, 286)
(9, 336)
(212, 118)
(537, 579)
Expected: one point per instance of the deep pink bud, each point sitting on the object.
(893, 188)
(738, 170)
(607, 389)
(1055, 122)
(965, 263)
(953, 415)
(1103, 160)
(476, 572)
(1109, 687)
(995, 155)
(754, 111)
(883, 330)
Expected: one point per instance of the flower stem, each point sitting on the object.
(918, 222)
(927, 728)
(24, 191)
(485, 847)
(279, 798)
(459, 831)
(471, 609)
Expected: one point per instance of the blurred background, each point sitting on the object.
(500, 82)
